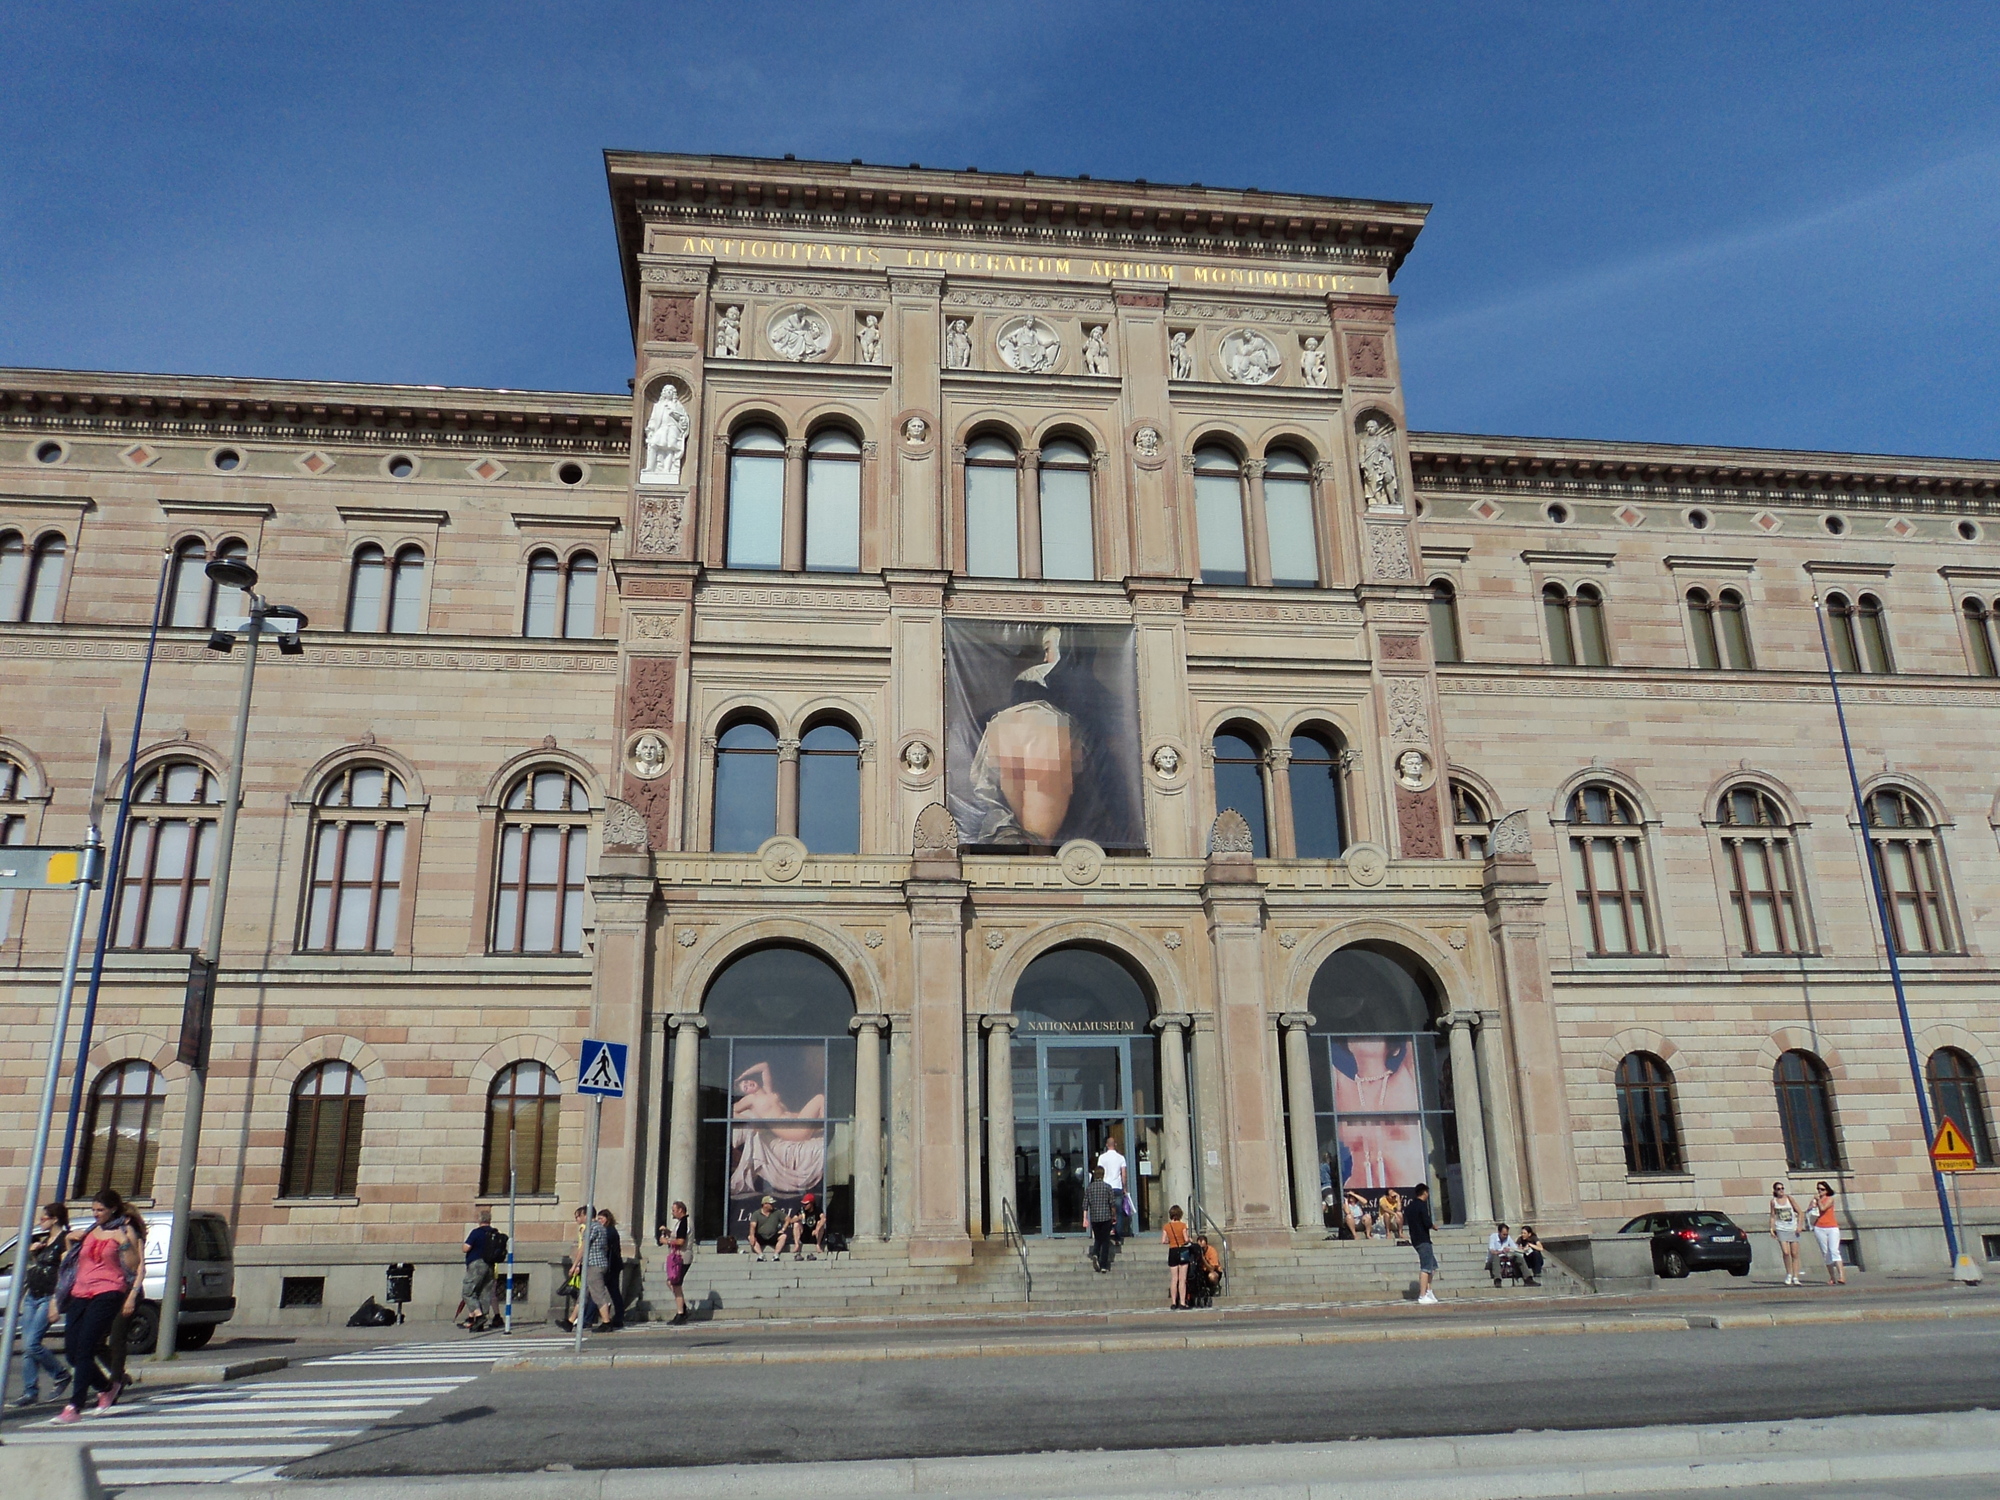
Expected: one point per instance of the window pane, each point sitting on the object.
(830, 794)
(756, 511)
(544, 855)
(572, 924)
(544, 578)
(232, 606)
(1239, 784)
(190, 588)
(551, 789)
(580, 600)
(45, 584)
(540, 934)
(364, 599)
(13, 575)
(1840, 628)
(1555, 615)
(406, 593)
(1067, 550)
(1706, 654)
(833, 515)
(1590, 630)
(1874, 638)
(1445, 643)
(1315, 785)
(992, 537)
(1978, 631)
(746, 800)
(1218, 511)
(1288, 518)
(1735, 635)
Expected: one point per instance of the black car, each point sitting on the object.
(1695, 1239)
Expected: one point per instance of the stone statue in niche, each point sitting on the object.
(1096, 352)
(1413, 770)
(1030, 346)
(1180, 358)
(799, 334)
(666, 437)
(916, 430)
(1167, 761)
(957, 346)
(916, 757)
(729, 333)
(1312, 365)
(1381, 486)
(1248, 358)
(868, 340)
(649, 756)
(1146, 442)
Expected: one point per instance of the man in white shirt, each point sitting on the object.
(1114, 1176)
(1499, 1244)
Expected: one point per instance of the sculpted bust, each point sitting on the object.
(1166, 760)
(1147, 442)
(649, 756)
(916, 757)
(916, 430)
(1413, 769)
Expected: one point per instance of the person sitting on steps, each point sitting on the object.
(767, 1228)
(1528, 1245)
(1390, 1207)
(1500, 1258)
(807, 1222)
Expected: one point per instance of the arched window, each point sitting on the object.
(1576, 626)
(169, 857)
(121, 1140)
(1979, 637)
(756, 499)
(367, 588)
(1318, 818)
(385, 595)
(323, 1134)
(1757, 845)
(13, 575)
(1239, 782)
(13, 827)
(544, 842)
(1721, 633)
(538, 621)
(355, 895)
(580, 597)
(1608, 858)
(833, 502)
(830, 790)
(1446, 644)
(1218, 517)
(1646, 1115)
(746, 788)
(195, 600)
(992, 519)
(1471, 822)
(1860, 635)
(1068, 546)
(1805, 1109)
(1903, 836)
(31, 577)
(562, 597)
(1958, 1094)
(523, 1110)
(1288, 520)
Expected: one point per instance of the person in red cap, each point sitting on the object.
(807, 1223)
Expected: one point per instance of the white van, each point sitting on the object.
(208, 1296)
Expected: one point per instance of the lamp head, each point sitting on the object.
(222, 640)
(289, 645)
(232, 573)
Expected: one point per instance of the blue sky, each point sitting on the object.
(1761, 224)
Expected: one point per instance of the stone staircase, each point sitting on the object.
(877, 1280)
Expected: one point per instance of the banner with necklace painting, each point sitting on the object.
(1384, 1087)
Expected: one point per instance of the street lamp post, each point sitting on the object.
(285, 623)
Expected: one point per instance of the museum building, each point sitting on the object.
(1005, 683)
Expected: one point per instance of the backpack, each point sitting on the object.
(72, 1262)
(726, 1245)
(372, 1314)
(43, 1266)
(494, 1251)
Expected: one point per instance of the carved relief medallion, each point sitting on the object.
(1029, 345)
(1248, 358)
(798, 334)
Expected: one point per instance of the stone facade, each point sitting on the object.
(917, 313)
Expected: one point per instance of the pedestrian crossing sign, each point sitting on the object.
(603, 1070)
(1951, 1152)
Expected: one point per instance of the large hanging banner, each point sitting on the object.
(778, 1125)
(1042, 735)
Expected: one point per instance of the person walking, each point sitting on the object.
(573, 1294)
(107, 1282)
(116, 1341)
(1100, 1210)
(38, 1289)
(1826, 1229)
(477, 1291)
(1175, 1238)
(596, 1293)
(614, 1266)
(1113, 1162)
(673, 1237)
(1785, 1219)
(1417, 1226)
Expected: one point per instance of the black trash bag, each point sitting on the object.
(372, 1314)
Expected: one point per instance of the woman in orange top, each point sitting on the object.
(107, 1281)
(1175, 1238)
(1826, 1229)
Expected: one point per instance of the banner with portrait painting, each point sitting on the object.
(1042, 735)
(778, 1127)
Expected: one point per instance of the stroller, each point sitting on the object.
(1203, 1284)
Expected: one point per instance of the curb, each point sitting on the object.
(153, 1376)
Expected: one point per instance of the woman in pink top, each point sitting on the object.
(107, 1280)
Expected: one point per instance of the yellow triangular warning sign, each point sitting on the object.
(1950, 1152)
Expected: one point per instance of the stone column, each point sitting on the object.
(1028, 511)
(902, 1148)
(794, 546)
(1256, 533)
(1000, 1185)
(1470, 1109)
(939, 1231)
(1253, 1212)
(975, 1136)
(622, 895)
(1177, 1167)
(868, 1031)
(1278, 802)
(684, 1121)
(1299, 1112)
(788, 788)
(1503, 1152)
(1208, 1116)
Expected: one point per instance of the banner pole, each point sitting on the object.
(513, 1119)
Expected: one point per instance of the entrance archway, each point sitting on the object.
(1086, 1077)
(1382, 1083)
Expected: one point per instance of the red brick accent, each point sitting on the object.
(1402, 648)
(1142, 299)
(672, 321)
(1417, 823)
(649, 693)
(1366, 357)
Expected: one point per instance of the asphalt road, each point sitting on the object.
(740, 1413)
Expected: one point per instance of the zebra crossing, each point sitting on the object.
(474, 1351)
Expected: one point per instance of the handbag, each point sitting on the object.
(72, 1262)
(676, 1265)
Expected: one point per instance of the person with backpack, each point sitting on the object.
(99, 1278)
(479, 1292)
(38, 1289)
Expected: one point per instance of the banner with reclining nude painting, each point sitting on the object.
(778, 1126)
(1042, 735)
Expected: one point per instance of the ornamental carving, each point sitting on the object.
(1389, 551)
(1381, 481)
(649, 696)
(1240, 312)
(1230, 834)
(798, 334)
(624, 827)
(672, 321)
(781, 858)
(1367, 864)
(1040, 301)
(1511, 836)
(763, 286)
(1409, 719)
(1081, 861)
(1367, 357)
(1417, 824)
(677, 275)
(1249, 358)
(654, 803)
(936, 835)
(729, 333)
(1402, 648)
(656, 628)
(1029, 345)
(1364, 312)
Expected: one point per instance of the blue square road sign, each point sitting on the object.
(603, 1069)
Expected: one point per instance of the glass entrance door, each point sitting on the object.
(1074, 1097)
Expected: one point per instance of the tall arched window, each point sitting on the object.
(13, 827)
(1068, 545)
(746, 788)
(1218, 517)
(1318, 818)
(323, 1134)
(544, 843)
(580, 596)
(1958, 1094)
(386, 595)
(1239, 782)
(1860, 635)
(1446, 644)
(830, 790)
(1576, 626)
(1288, 520)
(756, 499)
(833, 502)
(195, 599)
(13, 575)
(121, 1139)
(1805, 1109)
(992, 514)
(1903, 835)
(1646, 1115)
(1471, 822)
(523, 1111)
(31, 577)
(355, 895)
(562, 597)
(1757, 846)
(1979, 637)
(1607, 841)
(169, 858)
(1721, 633)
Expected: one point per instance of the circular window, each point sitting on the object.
(1968, 531)
(570, 473)
(226, 459)
(1698, 520)
(48, 453)
(1420, 508)
(1835, 525)
(401, 466)
(1558, 514)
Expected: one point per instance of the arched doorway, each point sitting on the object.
(777, 1089)
(1085, 1076)
(1382, 1085)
